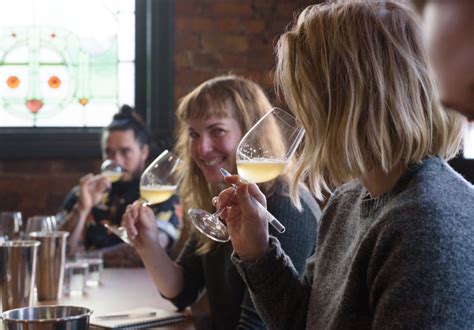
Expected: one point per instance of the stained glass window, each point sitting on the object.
(469, 142)
(66, 63)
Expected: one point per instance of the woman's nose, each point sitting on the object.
(205, 145)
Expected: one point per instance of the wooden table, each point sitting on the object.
(122, 289)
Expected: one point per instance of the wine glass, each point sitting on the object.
(111, 170)
(157, 184)
(159, 181)
(40, 223)
(10, 225)
(261, 155)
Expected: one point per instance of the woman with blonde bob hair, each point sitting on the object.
(211, 121)
(395, 240)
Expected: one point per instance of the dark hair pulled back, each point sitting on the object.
(128, 119)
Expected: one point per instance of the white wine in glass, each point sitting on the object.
(268, 146)
(157, 194)
(157, 184)
(260, 170)
(159, 181)
(111, 170)
(261, 155)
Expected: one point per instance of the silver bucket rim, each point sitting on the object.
(19, 243)
(86, 312)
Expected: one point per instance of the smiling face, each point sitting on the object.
(213, 143)
(449, 35)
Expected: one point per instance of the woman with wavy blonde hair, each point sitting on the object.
(211, 121)
(395, 240)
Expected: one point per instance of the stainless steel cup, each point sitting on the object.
(18, 260)
(47, 318)
(51, 260)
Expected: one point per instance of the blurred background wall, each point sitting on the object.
(211, 37)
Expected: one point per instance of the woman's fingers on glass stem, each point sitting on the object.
(222, 213)
(232, 180)
(224, 199)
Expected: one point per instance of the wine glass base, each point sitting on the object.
(121, 232)
(209, 225)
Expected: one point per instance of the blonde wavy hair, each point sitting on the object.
(355, 75)
(222, 96)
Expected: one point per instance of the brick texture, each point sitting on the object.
(228, 36)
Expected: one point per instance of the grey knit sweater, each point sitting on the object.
(404, 260)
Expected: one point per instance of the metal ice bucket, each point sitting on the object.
(47, 318)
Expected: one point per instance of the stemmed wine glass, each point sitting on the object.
(261, 156)
(10, 225)
(159, 181)
(157, 184)
(111, 170)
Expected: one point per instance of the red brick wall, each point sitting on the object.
(38, 186)
(211, 37)
(228, 36)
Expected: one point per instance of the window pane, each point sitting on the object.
(469, 142)
(65, 62)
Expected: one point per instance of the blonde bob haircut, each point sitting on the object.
(355, 75)
(221, 97)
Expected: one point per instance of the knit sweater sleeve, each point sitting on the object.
(292, 249)
(280, 296)
(278, 275)
(420, 274)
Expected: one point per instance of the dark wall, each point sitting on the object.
(39, 186)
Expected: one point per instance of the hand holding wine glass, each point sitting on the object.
(140, 225)
(157, 184)
(91, 191)
(238, 205)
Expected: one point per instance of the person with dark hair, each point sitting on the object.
(96, 201)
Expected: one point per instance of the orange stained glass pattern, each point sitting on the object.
(83, 101)
(54, 82)
(13, 82)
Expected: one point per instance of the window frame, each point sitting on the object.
(154, 95)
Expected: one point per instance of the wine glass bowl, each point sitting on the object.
(40, 223)
(10, 225)
(264, 151)
(159, 181)
(261, 156)
(111, 170)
